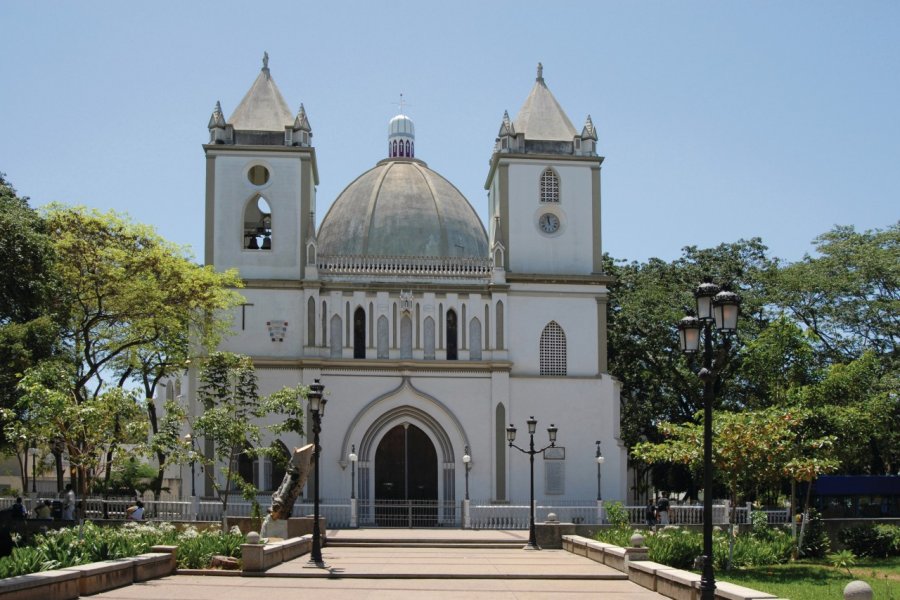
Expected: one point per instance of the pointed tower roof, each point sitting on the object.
(541, 117)
(589, 133)
(216, 119)
(301, 122)
(506, 127)
(263, 107)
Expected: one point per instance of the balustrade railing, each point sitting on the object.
(417, 266)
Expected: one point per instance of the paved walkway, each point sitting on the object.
(406, 573)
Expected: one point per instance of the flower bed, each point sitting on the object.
(89, 543)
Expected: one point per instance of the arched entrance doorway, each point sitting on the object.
(406, 479)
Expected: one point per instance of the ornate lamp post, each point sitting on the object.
(354, 515)
(721, 308)
(511, 437)
(317, 409)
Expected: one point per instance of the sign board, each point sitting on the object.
(555, 453)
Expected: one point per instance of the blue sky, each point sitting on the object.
(718, 120)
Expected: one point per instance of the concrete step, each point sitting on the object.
(368, 543)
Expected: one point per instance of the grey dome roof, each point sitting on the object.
(401, 208)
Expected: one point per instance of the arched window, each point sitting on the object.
(405, 337)
(549, 186)
(359, 333)
(383, 337)
(407, 148)
(246, 466)
(394, 153)
(336, 337)
(429, 338)
(452, 353)
(499, 321)
(258, 225)
(311, 322)
(553, 350)
(475, 339)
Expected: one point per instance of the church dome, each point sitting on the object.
(401, 208)
(401, 125)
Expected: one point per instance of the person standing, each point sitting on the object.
(650, 514)
(662, 509)
(68, 513)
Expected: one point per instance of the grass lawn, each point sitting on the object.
(818, 580)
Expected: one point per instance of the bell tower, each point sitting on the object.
(261, 178)
(544, 190)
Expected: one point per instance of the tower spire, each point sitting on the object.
(540, 73)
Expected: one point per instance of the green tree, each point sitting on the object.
(646, 302)
(126, 293)
(28, 325)
(848, 295)
(231, 409)
(751, 449)
(49, 410)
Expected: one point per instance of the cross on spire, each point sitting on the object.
(540, 73)
(402, 103)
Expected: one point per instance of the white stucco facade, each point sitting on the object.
(505, 323)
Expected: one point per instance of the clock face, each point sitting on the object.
(549, 223)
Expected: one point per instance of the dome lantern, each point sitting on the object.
(401, 136)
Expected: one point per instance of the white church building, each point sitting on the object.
(431, 331)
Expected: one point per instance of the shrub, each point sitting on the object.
(878, 541)
(617, 515)
(815, 540)
(675, 547)
(81, 545)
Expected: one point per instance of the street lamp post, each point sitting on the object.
(600, 460)
(467, 461)
(511, 437)
(316, 408)
(721, 308)
(353, 458)
(354, 514)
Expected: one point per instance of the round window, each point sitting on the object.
(258, 175)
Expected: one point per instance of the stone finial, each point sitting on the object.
(589, 132)
(217, 119)
(636, 540)
(253, 537)
(540, 73)
(301, 122)
(506, 127)
(265, 61)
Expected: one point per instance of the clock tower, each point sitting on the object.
(544, 190)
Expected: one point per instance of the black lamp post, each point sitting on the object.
(316, 408)
(721, 308)
(467, 460)
(599, 458)
(511, 437)
(353, 458)
(189, 438)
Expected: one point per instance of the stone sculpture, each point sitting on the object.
(294, 479)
